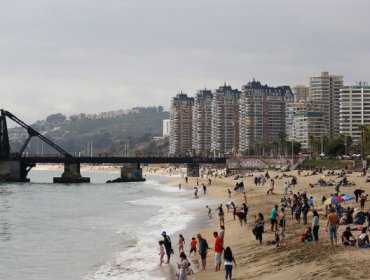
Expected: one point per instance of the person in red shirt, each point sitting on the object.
(193, 246)
(218, 250)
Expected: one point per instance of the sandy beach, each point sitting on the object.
(297, 260)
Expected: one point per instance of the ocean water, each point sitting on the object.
(93, 231)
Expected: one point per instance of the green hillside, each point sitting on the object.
(132, 132)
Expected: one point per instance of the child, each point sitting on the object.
(181, 243)
(193, 246)
(161, 252)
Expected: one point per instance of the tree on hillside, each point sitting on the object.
(56, 118)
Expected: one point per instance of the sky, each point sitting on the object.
(74, 56)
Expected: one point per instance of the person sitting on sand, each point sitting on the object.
(307, 235)
(346, 237)
(363, 240)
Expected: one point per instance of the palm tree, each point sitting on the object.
(364, 139)
(282, 136)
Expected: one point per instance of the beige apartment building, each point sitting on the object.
(225, 121)
(181, 119)
(262, 114)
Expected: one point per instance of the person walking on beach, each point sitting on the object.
(218, 249)
(193, 246)
(228, 262)
(204, 189)
(221, 215)
(332, 224)
(315, 226)
(196, 192)
(167, 245)
(181, 243)
(229, 192)
(209, 212)
(245, 197)
(161, 252)
(273, 218)
(203, 250)
(282, 218)
(259, 227)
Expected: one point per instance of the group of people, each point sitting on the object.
(198, 246)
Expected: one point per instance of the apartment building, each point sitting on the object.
(225, 120)
(181, 118)
(324, 91)
(354, 109)
(308, 124)
(262, 114)
(202, 122)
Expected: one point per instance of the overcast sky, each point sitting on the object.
(73, 56)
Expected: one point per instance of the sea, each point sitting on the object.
(94, 231)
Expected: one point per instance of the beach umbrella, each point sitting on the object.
(334, 200)
(347, 197)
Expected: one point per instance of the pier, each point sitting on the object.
(14, 166)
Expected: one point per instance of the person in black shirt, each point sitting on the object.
(346, 237)
(167, 245)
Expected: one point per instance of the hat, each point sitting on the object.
(163, 233)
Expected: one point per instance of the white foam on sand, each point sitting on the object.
(141, 258)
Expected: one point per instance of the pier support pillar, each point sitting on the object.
(131, 172)
(71, 174)
(14, 171)
(192, 170)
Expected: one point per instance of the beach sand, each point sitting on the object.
(296, 261)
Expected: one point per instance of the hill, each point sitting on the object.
(130, 132)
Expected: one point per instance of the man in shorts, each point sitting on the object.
(203, 249)
(273, 218)
(218, 248)
(332, 224)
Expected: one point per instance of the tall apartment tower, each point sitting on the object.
(202, 122)
(225, 120)
(354, 109)
(324, 91)
(181, 118)
(262, 114)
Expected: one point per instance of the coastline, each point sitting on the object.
(296, 261)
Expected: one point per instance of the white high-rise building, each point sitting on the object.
(166, 128)
(324, 91)
(202, 122)
(354, 109)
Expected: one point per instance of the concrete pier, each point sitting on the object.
(130, 172)
(14, 171)
(71, 174)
